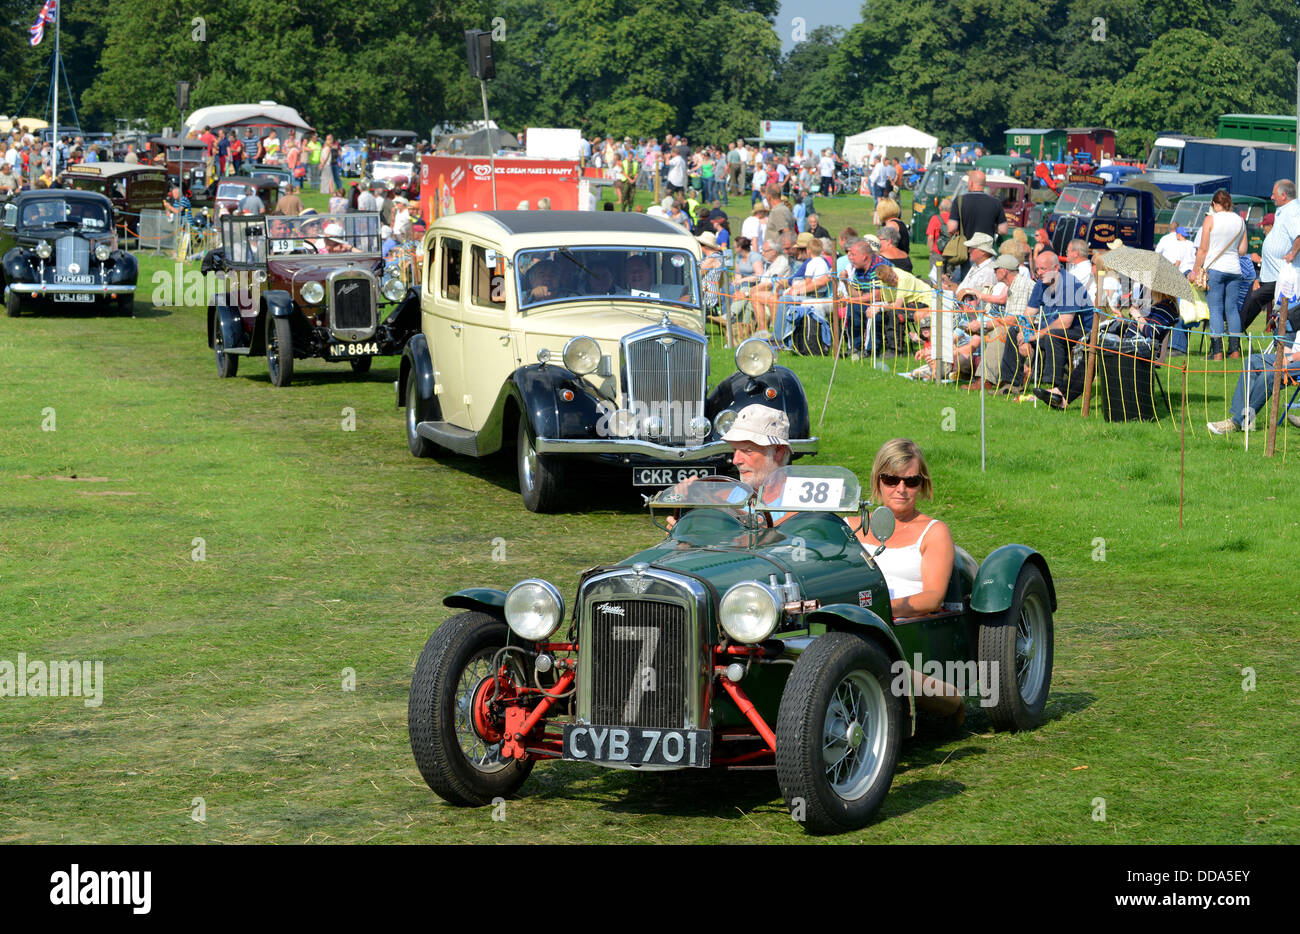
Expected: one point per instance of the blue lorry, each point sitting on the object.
(1251, 166)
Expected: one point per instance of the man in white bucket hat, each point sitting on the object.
(760, 442)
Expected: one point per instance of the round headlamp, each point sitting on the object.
(622, 424)
(581, 355)
(43, 249)
(654, 426)
(749, 611)
(394, 288)
(313, 293)
(102, 252)
(699, 426)
(723, 421)
(534, 609)
(755, 357)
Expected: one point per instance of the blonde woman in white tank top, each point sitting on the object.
(1223, 242)
(918, 559)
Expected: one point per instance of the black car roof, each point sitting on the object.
(61, 194)
(531, 222)
(261, 184)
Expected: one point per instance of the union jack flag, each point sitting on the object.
(46, 16)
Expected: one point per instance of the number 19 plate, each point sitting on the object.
(637, 745)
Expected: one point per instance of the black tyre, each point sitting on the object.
(227, 364)
(361, 364)
(419, 445)
(13, 304)
(1017, 648)
(455, 760)
(838, 734)
(541, 477)
(279, 351)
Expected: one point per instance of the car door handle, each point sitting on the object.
(456, 328)
(505, 340)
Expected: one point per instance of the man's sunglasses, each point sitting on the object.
(912, 482)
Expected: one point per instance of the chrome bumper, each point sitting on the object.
(651, 449)
(41, 288)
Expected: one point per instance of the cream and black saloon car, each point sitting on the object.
(572, 334)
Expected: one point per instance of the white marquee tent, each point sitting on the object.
(895, 141)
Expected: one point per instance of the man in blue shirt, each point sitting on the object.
(1066, 313)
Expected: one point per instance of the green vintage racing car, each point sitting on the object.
(758, 632)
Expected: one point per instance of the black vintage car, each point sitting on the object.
(57, 246)
(308, 286)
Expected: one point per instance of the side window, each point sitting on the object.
(431, 268)
(487, 283)
(449, 252)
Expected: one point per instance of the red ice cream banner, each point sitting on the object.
(449, 184)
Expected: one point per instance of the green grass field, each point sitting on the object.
(326, 551)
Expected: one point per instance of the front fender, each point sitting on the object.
(995, 582)
(276, 303)
(537, 388)
(847, 617)
(738, 390)
(405, 318)
(16, 267)
(484, 599)
(125, 270)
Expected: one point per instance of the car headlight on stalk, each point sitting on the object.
(102, 252)
(313, 293)
(755, 357)
(749, 611)
(534, 609)
(43, 249)
(393, 288)
(581, 355)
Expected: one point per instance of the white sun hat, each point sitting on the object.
(760, 424)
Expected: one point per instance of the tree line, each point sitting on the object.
(960, 69)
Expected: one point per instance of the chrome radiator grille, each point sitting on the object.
(352, 306)
(69, 251)
(639, 652)
(665, 376)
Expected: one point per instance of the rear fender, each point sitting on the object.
(995, 582)
(231, 324)
(416, 364)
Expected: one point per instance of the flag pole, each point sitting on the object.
(54, 123)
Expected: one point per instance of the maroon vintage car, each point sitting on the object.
(233, 190)
(307, 286)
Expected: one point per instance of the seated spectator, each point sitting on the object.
(890, 249)
(979, 277)
(888, 212)
(809, 296)
(1067, 313)
(1255, 386)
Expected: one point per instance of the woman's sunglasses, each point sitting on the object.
(912, 482)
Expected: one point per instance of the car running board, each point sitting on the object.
(460, 440)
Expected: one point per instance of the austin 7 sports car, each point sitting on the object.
(57, 247)
(759, 633)
(307, 286)
(577, 335)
